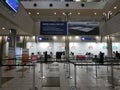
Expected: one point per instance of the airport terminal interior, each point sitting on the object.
(59, 44)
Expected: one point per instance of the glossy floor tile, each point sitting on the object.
(56, 76)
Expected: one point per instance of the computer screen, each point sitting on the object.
(13, 4)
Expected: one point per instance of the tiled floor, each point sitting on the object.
(57, 78)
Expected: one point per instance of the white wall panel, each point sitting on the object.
(76, 47)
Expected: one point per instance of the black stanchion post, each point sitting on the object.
(33, 86)
(33, 76)
(69, 75)
(112, 75)
(0, 78)
(75, 77)
(87, 67)
(107, 65)
(96, 70)
(40, 67)
(22, 76)
(64, 66)
(42, 71)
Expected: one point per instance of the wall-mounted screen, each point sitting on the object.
(53, 28)
(83, 28)
(13, 4)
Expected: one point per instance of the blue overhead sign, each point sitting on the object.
(53, 28)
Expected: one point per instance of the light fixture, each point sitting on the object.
(78, 13)
(104, 13)
(40, 38)
(115, 7)
(95, 13)
(38, 13)
(63, 13)
(76, 37)
(110, 12)
(70, 13)
(70, 37)
(64, 37)
(3, 28)
(29, 13)
(55, 13)
(82, 38)
(54, 37)
(77, 0)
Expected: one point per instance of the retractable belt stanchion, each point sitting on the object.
(42, 71)
(40, 67)
(22, 76)
(0, 78)
(66, 66)
(75, 77)
(33, 86)
(96, 70)
(107, 66)
(69, 75)
(87, 67)
(64, 63)
(112, 75)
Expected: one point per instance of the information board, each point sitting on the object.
(53, 28)
(83, 28)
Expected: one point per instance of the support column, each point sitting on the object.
(12, 35)
(67, 40)
(2, 41)
(12, 46)
(67, 47)
(24, 42)
(109, 46)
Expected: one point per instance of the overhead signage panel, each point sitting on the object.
(53, 28)
(83, 28)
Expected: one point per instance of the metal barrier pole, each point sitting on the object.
(69, 76)
(22, 72)
(107, 65)
(0, 78)
(66, 66)
(87, 67)
(75, 77)
(42, 69)
(33, 87)
(112, 75)
(33, 76)
(96, 70)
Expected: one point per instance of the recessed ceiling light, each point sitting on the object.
(95, 13)
(115, 7)
(111, 13)
(104, 13)
(63, 13)
(77, 0)
(78, 13)
(3, 28)
(55, 13)
(38, 13)
(70, 13)
(29, 13)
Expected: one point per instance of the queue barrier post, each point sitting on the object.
(0, 78)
